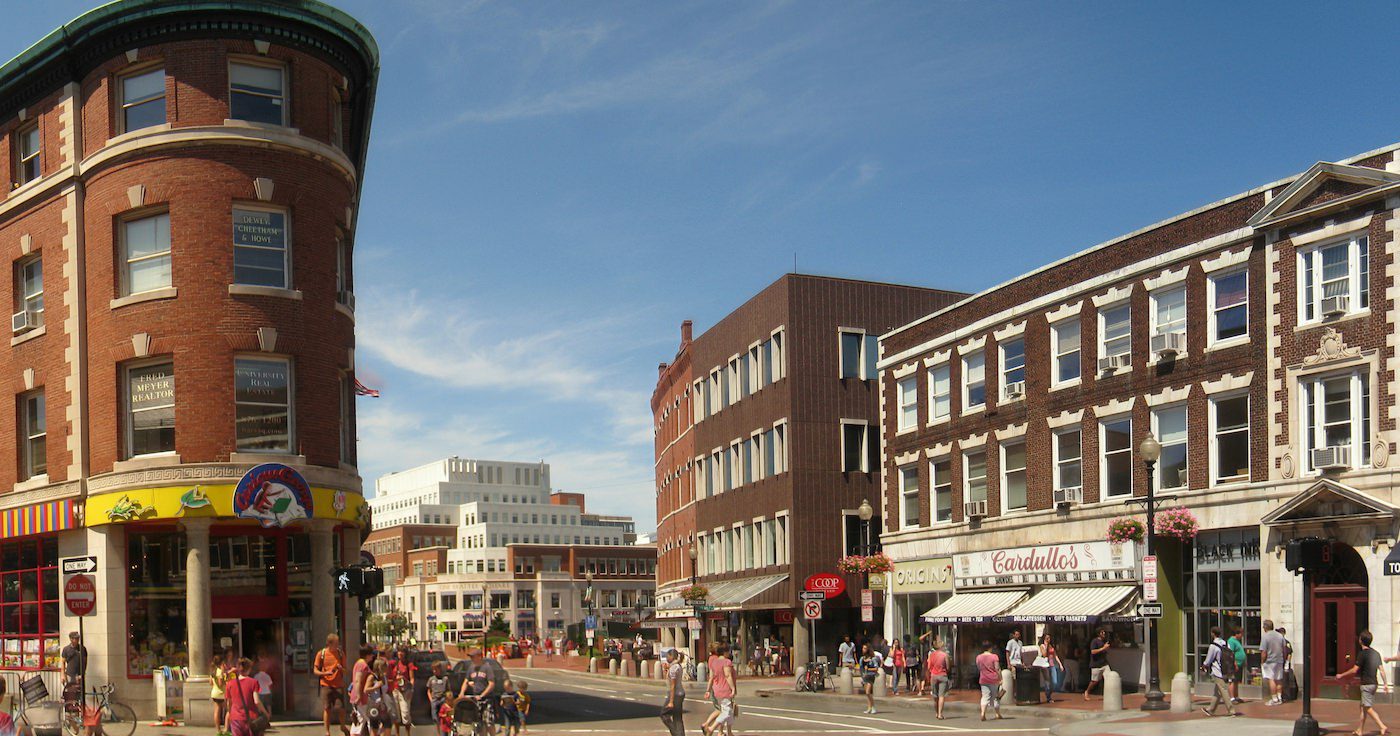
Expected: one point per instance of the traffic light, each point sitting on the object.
(373, 582)
(358, 581)
(1307, 553)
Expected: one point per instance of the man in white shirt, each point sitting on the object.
(1014, 651)
(847, 652)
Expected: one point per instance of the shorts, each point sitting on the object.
(401, 708)
(726, 710)
(512, 718)
(1368, 696)
(1272, 671)
(331, 697)
(939, 684)
(868, 679)
(991, 695)
(1096, 673)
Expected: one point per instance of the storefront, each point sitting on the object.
(917, 586)
(31, 621)
(1221, 585)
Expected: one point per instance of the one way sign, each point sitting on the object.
(74, 565)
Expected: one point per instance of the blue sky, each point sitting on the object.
(553, 186)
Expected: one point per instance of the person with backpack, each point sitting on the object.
(1220, 664)
(329, 669)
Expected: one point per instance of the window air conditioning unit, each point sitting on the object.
(975, 509)
(1071, 495)
(24, 321)
(1332, 458)
(1015, 390)
(1169, 344)
(1114, 362)
(1335, 306)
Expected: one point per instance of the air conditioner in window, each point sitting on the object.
(1067, 496)
(975, 509)
(1169, 344)
(1336, 306)
(24, 321)
(1332, 458)
(1015, 390)
(1114, 362)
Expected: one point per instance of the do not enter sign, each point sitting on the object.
(80, 595)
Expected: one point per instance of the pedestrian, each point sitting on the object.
(1271, 646)
(1098, 659)
(914, 666)
(871, 667)
(847, 652)
(510, 709)
(1219, 665)
(329, 669)
(1047, 661)
(379, 707)
(218, 678)
(673, 710)
(1015, 652)
(723, 688)
(403, 677)
(7, 723)
(264, 680)
(446, 718)
(361, 679)
(480, 682)
(74, 658)
(900, 663)
(989, 679)
(522, 700)
(1236, 645)
(437, 688)
(244, 702)
(1371, 673)
(937, 668)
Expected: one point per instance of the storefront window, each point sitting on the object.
(155, 602)
(29, 603)
(1223, 589)
(243, 566)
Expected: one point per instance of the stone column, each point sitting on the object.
(199, 622)
(322, 585)
(801, 641)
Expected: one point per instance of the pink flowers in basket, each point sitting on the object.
(1177, 523)
(878, 562)
(695, 593)
(1125, 529)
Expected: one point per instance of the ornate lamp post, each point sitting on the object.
(695, 606)
(588, 595)
(865, 515)
(1151, 451)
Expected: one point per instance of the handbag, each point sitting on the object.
(259, 723)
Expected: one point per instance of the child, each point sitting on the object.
(445, 719)
(522, 700)
(510, 710)
(437, 688)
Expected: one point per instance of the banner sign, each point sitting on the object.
(274, 494)
(1056, 563)
(934, 575)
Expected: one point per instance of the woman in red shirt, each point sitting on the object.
(936, 669)
(244, 703)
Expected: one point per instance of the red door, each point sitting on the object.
(1340, 613)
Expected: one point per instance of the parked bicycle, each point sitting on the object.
(107, 717)
(814, 680)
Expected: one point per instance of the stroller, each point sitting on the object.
(41, 715)
(472, 717)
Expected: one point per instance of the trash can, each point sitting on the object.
(1026, 686)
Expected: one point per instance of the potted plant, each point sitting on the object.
(1126, 529)
(851, 564)
(1176, 523)
(695, 593)
(878, 562)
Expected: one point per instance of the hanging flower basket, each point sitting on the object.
(695, 593)
(1125, 529)
(878, 562)
(1177, 523)
(851, 564)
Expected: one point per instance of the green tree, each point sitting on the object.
(388, 626)
(498, 623)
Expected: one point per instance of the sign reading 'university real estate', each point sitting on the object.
(1085, 562)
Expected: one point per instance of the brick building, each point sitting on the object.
(180, 216)
(1253, 337)
(782, 414)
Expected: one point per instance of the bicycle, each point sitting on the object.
(814, 680)
(692, 673)
(107, 716)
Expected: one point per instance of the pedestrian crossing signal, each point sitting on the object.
(360, 582)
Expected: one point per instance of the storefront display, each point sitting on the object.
(1223, 589)
(29, 603)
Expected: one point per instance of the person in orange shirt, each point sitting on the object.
(329, 669)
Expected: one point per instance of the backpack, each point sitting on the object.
(1226, 659)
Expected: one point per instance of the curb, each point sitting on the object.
(926, 703)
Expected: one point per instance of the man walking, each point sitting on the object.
(847, 652)
(1098, 659)
(1220, 663)
(1368, 665)
(1236, 645)
(1271, 645)
(403, 675)
(329, 669)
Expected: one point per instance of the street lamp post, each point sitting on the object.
(865, 512)
(589, 594)
(695, 605)
(1151, 451)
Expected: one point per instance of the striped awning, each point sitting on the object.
(731, 594)
(1070, 604)
(974, 608)
(39, 518)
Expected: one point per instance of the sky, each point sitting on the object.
(552, 187)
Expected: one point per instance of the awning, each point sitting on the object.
(974, 608)
(731, 594)
(1070, 604)
(1127, 610)
(675, 604)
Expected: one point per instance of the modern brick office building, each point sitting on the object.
(781, 410)
(1254, 338)
(183, 181)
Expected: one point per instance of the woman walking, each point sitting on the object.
(244, 703)
(900, 663)
(871, 667)
(218, 678)
(989, 678)
(937, 668)
(1051, 668)
(673, 710)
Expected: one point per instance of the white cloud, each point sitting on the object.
(866, 172)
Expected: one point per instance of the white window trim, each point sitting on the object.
(904, 496)
(1055, 455)
(1211, 342)
(933, 490)
(1358, 442)
(948, 367)
(1153, 327)
(1002, 370)
(1157, 433)
(1353, 278)
(864, 445)
(1055, 383)
(965, 386)
(1002, 478)
(1212, 428)
(967, 476)
(1104, 495)
(124, 280)
(121, 104)
(901, 405)
(1103, 351)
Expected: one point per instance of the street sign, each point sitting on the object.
(812, 610)
(79, 564)
(589, 634)
(693, 624)
(1149, 568)
(590, 622)
(1150, 610)
(698, 602)
(832, 585)
(1149, 591)
(867, 597)
(1392, 562)
(867, 613)
(811, 595)
(877, 581)
(80, 595)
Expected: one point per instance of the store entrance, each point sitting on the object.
(1341, 611)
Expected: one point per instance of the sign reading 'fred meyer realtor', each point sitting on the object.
(1053, 563)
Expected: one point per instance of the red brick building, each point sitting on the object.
(180, 218)
(675, 464)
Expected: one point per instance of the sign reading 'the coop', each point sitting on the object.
(1053, 563)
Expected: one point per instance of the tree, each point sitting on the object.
(388, 626)
(498, 623)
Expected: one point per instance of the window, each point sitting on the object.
(1069, 459)
(554, 600)
(851, 346)
(1065, 340)
(34, 459)
(941, 497)
(1116, 439)
(146, 254)
(30, 617)
(150, 409)
(262, 395)
(860, 451)
(1013, 367)
(343, 293)
(27, 158)
(337, 120)
(256, 94)
(1115, 331)
(909, 497)
(1337, 414)
(1013, 477)
(975, 476)
(29, 292)
(1169, 311)
(974, 381)
(908, 403)
(347, 419)
(260, 247)
(1169, 426)
(1333, 279)
(143, 100)
(1229, 306)
(1230, 428)
(940, 393)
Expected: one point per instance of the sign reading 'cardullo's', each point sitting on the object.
(1052, 563)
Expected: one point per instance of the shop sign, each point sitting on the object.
(525, 615)
(274, 494)
(876, 581)
(1392, 562)
(1231, 549)
(1054, 563)
(782, 617)
(832, 585)
(934, 575)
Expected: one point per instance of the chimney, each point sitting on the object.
(660, 369)
(685, 331)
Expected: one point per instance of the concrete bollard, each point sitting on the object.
(662, 668)
(612, 666)
(626, 668)
(1181, 693)
(845, 682)
(797, 683)
(529, 661)
(702, 672)
(1112, 691)
(1008, 688)
(880, 689)
(593, 665)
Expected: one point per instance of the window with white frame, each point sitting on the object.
(257, 93)
(1115, 330)
(775, 356)
(859, 354)
(1229, 439)
(859, 447)
(975, 476)
(774, 450)
(714, 394)
(1229, 305)
(746, 461)
(143, 100)
(1069, 459)
(1013, 476)
(34, 430)
(909, 497)
(1169, 426)
(974, 380)
(1116, 441)
(699, 397)
(941, 494)
(908, 402)
(940, 392)
(1169, 311)
(1013, 367)
(1064, 337)
(29, 292)
(755, 368)
(263, 403)
(1334, 279)
(150, 409)
(27, 154)
(260, 248)
(145, 243)
(1337, 416)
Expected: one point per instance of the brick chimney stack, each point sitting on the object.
(686, 331)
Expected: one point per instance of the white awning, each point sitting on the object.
(1070, 604)
(731, 594)
(974, 608)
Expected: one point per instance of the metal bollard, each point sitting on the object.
(797, 683)
(612, 666)
(1008, 688)
(1112, 691)
(1181, 693)
(845, 683)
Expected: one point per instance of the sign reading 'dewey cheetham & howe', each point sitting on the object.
(1051, 563)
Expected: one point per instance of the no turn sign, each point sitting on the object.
(812, 610)
(80, 595)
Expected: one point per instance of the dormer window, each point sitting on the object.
(1334, 279)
